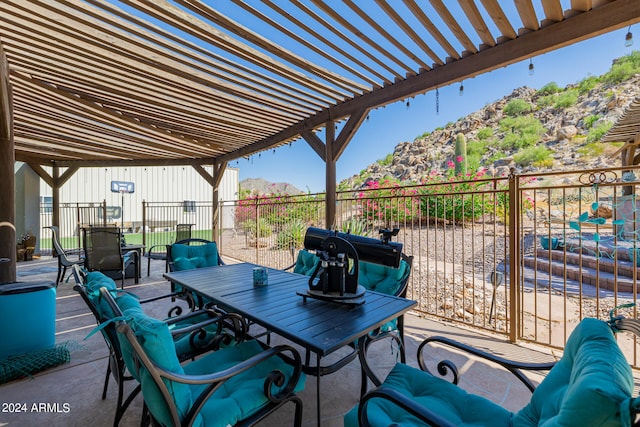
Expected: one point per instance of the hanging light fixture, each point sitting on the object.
(628, 39)
(531, 69)
(461, 91)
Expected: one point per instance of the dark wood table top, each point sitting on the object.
(320, 326)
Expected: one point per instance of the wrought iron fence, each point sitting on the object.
(523, 256)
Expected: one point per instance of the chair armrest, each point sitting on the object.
(517, 368)
(392, 396)
(210, 334)
(151, 249)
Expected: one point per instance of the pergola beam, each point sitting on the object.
(611, 16)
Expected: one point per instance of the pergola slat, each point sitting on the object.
(499, 18)
(195, 82)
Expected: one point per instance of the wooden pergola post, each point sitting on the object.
(330, 176)
(7, 178)
(214, 180)
(330, 152)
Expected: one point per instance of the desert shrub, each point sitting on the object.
(566, 99)
(549, 89)
(533, 155)
(590, 120)
(292, 235)
(386, 161)
(517, 107)
(546, 101)
(591, 149)
(518, 140)
(477, 147)
(259, 228)
(623, 68)
(423, 136)
(521, 132)
(596, 133)
(484, 133)
(588, 83)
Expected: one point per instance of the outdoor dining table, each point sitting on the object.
(319, 326)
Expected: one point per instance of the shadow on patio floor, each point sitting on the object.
(73, 390)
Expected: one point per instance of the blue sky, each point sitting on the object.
(299, 165)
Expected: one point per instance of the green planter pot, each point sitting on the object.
(547, 242)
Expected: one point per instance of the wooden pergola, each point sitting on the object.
(186, 82)
(627, 130)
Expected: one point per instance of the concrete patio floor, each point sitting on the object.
(78, 384)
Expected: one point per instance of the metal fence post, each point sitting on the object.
(144, 223)
(514, 257)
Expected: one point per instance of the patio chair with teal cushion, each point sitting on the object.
(236, 385)
(193, 333)
(306, 263)
(390, 281)
(189, 254)
(592, 384)
(383, 279)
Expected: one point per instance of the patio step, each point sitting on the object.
(585, 273)
(606, 263)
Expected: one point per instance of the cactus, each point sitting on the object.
(461, 154)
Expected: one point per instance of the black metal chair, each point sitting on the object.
(64, 261)
(183, 232)
(103, 252)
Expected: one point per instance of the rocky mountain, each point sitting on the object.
(531, 130)
(262, 186)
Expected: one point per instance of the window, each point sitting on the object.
(46, 204)
(189, 206)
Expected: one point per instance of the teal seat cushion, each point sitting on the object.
(157, 342)
(240, 396)
(186, 257)
(587, 386)
(306, 263)
(448, 400)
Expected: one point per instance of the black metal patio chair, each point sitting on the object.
(64, 262)
(103, 252)
(182, 232)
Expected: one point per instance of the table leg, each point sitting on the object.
(318, 387)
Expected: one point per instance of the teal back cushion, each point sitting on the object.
(381, 278)
(186, 257)
(306, 262)
(587, 386)
(157, 342)
(94, 281)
